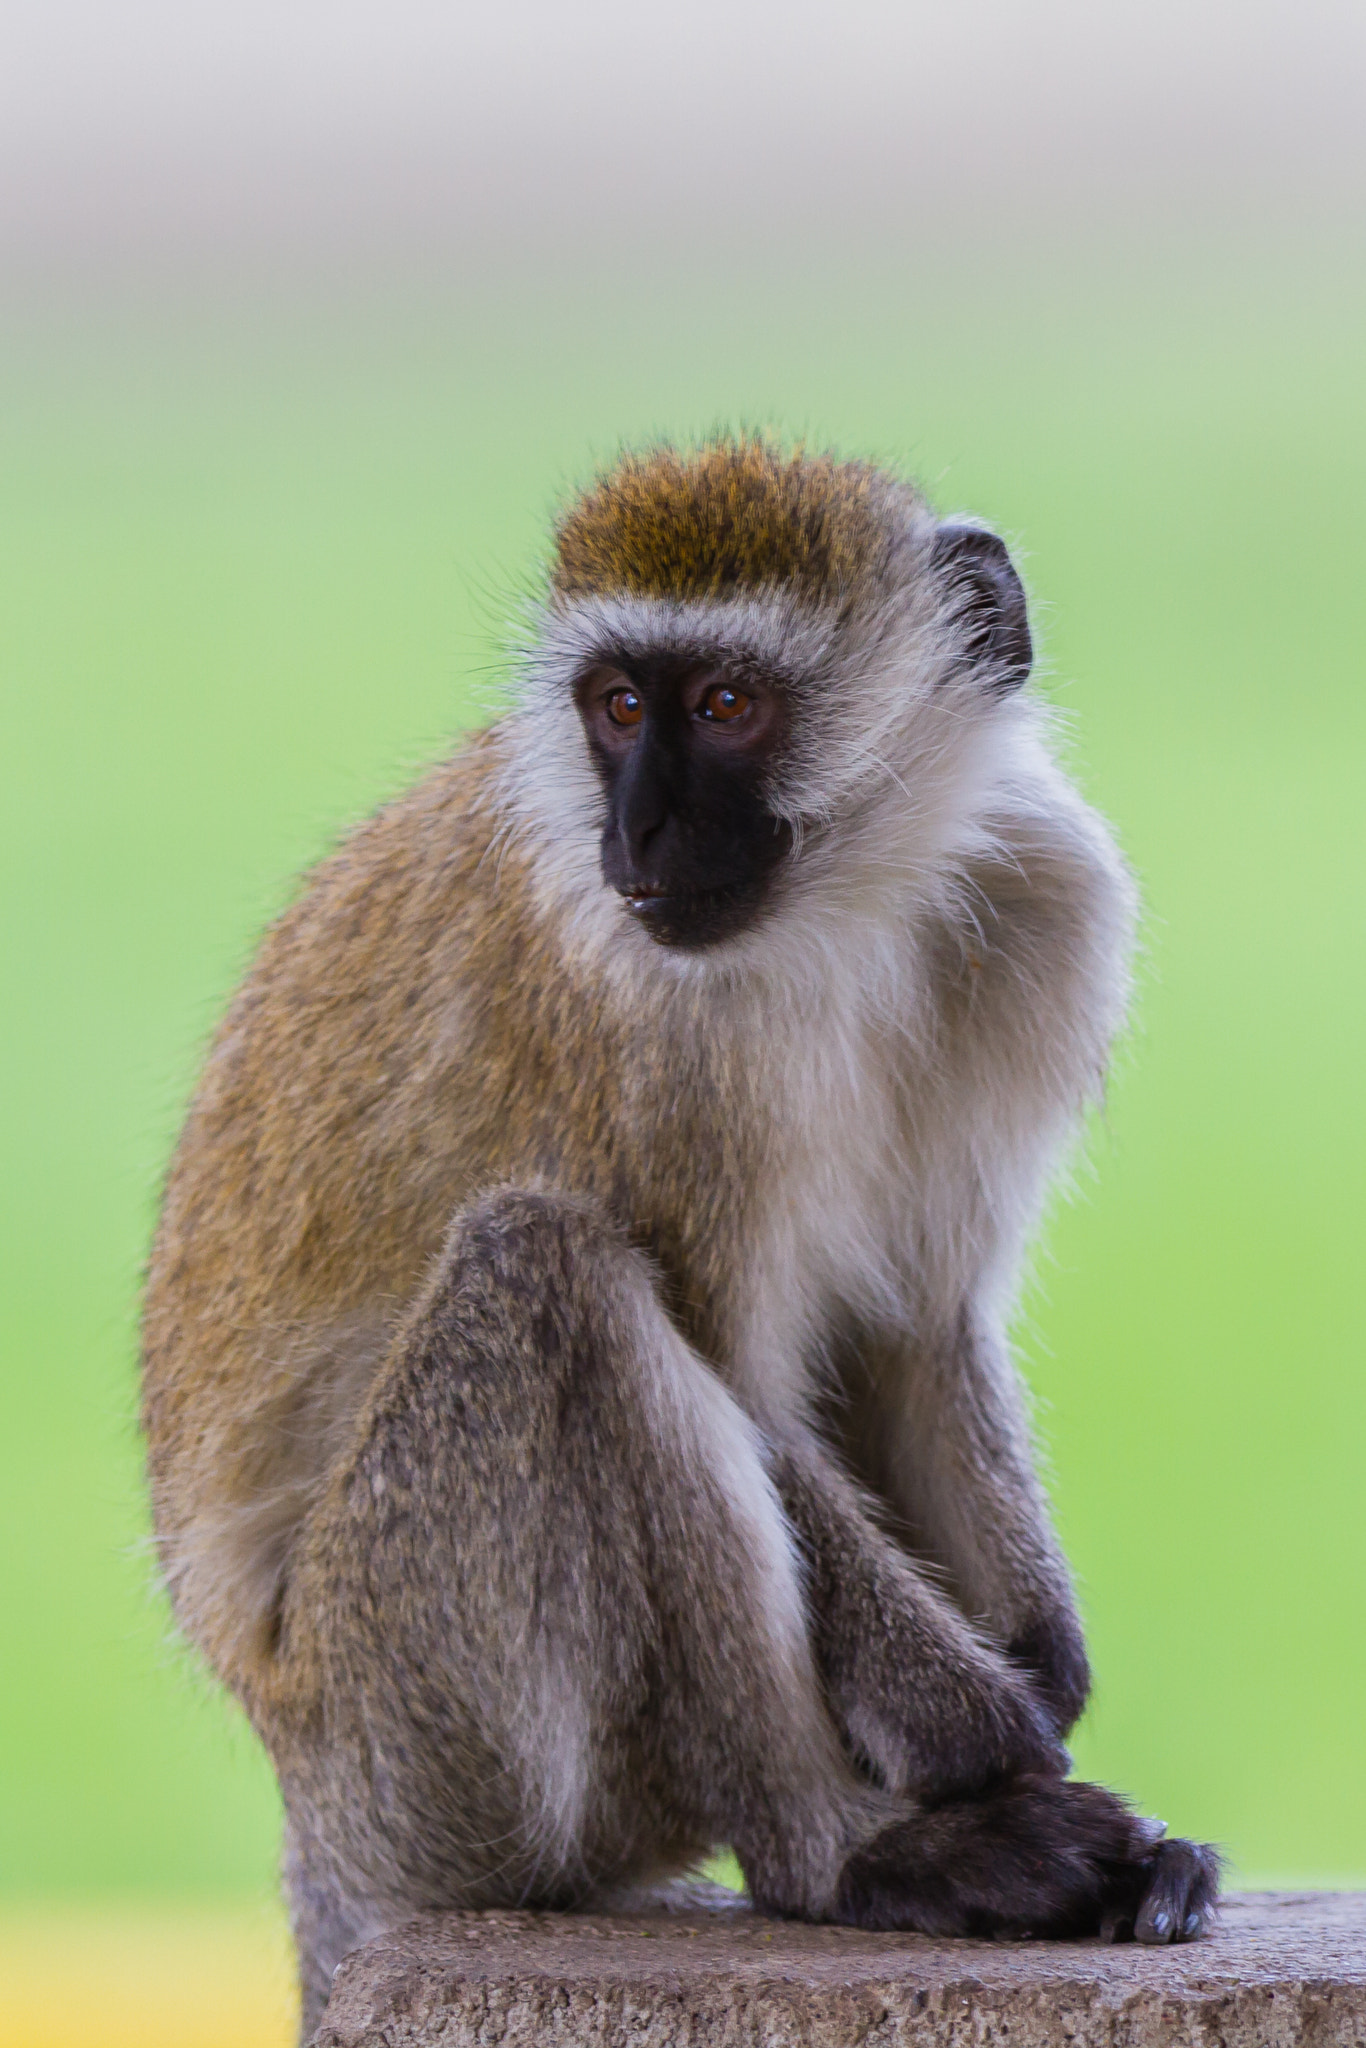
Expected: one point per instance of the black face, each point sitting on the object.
(688, 842)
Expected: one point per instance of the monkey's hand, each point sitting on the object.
(1036, 1856)
(924, 1702)
(939, 1727)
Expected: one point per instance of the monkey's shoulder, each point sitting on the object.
(376, 930)
(314, 1103)
(1033, 932)
(397, 882)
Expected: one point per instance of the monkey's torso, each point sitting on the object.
(803, 1171)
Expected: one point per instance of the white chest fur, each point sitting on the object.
(836, 1233)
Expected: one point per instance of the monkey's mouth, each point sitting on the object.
(687, 917)
(653, 900)
(638, 900)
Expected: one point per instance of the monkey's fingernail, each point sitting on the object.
(1161, 1923)
(1191, 1926)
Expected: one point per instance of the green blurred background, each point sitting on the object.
(260, 551)
(250, 583)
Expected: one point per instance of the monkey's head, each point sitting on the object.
(754, 667)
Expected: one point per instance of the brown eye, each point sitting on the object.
(624, 707)
(722, 703)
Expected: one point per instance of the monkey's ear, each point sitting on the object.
(988, 602)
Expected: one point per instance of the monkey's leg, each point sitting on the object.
(545, 1633)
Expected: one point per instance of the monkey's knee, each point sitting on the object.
(511, 1232)
(530, 1284)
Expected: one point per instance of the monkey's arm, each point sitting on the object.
(919, 1694)
(946, 1441)
(1031, 977)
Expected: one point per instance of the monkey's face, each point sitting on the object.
(688, 840)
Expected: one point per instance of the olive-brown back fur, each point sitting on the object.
(411, 1033)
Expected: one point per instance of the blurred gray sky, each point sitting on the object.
(169, 126)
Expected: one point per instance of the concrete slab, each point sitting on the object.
(1282, 1970)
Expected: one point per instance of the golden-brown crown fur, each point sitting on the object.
(735, 514)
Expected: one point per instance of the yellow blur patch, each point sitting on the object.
(145, 1977)
(722, 1868)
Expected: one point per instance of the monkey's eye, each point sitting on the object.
(624, 707)
(722, 703)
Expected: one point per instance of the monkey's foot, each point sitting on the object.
(1037, 1856)
(1176, 1900)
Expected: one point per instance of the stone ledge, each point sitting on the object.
(1281, 1970)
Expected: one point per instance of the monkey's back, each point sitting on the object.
(379, 1062)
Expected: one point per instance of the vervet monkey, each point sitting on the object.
(582, 1428)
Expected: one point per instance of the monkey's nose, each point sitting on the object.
(642, 813)
(641, 832)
